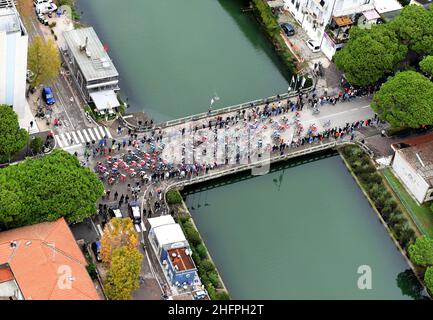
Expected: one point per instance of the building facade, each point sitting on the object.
(92, 68)
(173, 251)
(328, 22)
(414, 167)
(13, 58)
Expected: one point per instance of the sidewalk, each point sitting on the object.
(330, 81)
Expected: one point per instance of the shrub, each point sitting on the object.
(173, 197)
(193, 236)
(214, 279)
(207, 265)
(91, 269)
(222, 295)
(201, 250)
(36, 144)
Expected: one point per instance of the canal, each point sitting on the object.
(300, 232)
(297, 233)
(174, 56)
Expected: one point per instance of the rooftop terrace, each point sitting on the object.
(180, 260)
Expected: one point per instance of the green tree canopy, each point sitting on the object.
(427, 65)
(370, 54)
(405, 100)
(12, 138)
(414, 27)
(45, 189)
(122, 277)
(43, 60)
(428, 278)
(421, 252)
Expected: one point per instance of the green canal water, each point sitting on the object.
(297, 233)
(174, 56)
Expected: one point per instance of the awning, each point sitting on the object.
(342, 21)
(371, 15)
(105, 100)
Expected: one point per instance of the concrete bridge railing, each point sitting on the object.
(217, 112)
(256, 164)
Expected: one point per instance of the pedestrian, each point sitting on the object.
(107, 193)
(115, 196)
(126, 199)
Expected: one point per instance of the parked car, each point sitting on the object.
(96, 248)
(313, 45)
(134, 212)
(36, 2)
(45, 7)
(115, 212)
(47, 94)
(200, 295)
(288, 29)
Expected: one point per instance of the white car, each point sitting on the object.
(313, 45)
(36, 2)
(45, 7)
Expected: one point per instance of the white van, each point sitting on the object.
(36, 2)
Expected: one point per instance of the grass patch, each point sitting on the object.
(422, 215)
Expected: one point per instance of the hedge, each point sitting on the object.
(382, 198)
(173, 197)
(206, 269)
(270, 24)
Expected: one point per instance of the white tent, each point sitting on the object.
(105, 100)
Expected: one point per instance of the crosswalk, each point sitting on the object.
(67, 139)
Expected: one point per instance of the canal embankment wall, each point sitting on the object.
(392, 233)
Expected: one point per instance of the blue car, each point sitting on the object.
(47, 94)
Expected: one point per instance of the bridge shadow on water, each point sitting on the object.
(246, 175)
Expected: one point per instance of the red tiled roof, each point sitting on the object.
(47, 262)
(5, 275)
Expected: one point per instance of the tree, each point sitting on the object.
(405, 100)
(12, 138)
(414, 27)
(370, 54)
(45, 189)
(122, 277)
(427, 65)
(421, 252)
(428, 278)
(43, 60)
(36, 145)
(119, 232)
(409, 284)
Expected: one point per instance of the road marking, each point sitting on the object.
(102, 131)
(365, 107)
(142, 226)
(68, 136)
(74, 136)
(85, 134)
(65, 142)
(97, 133)
(81, 137)
(108, 133)
(91, 134)
(59, 141)
(137, 227)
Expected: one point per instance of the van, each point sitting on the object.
(36, 2)
(134, 212)
(45, 7)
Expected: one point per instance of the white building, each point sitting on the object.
(13, 59)
(414, 166)
(328, 21)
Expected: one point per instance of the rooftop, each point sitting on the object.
(169, 234)
(420, 157)
(41, 258)
(180, 260)
(9, 20)
(383, 6)
(94, 62)
(159, 221)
